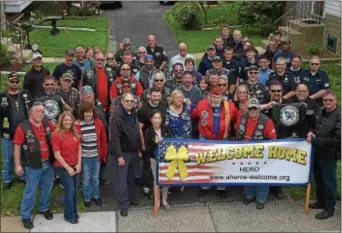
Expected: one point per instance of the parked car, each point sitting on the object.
(114, 4)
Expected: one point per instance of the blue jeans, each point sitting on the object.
(35, 177)
(70, 195)
(258, 191)
(91, 179)
(7, 150)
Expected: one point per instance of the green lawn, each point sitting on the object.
(55, 46)
(198, 40)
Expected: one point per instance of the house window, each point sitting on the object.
(331, 43)
(318, 8)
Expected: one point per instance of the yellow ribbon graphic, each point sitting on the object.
(177, 161)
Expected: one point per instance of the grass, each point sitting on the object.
(198, 40)
(55, 46)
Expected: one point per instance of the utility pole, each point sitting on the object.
(2, 16)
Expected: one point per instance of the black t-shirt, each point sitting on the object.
(74, 70)
(53, 105)
(145, 111)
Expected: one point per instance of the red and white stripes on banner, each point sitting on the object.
(197, 173)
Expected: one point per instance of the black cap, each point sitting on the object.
(70, 52)
(13, 74)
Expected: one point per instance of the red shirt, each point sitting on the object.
(102, 86)
(19, 138)
(116, 87)
(68, 145)
(269, 131)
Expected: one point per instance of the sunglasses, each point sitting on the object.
(178, 71)
(126, 86)
(181, 49)
(141, 52)
(129, 101)
(253, 72)
(159, 80)
(99, 59)
(125, 69)
(253, 108)
(222, 84)
(328, 100)
(14, 82)
(110, 58)
(314, 64)
(276, 91)
(49, 84)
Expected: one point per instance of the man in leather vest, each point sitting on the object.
(33, 136)
(54, 103)
(100, 79)
(145, 74)
(326, 140)
(254, 125)
(14, 108)
(256, 89)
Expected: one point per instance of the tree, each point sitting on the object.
(205, 10)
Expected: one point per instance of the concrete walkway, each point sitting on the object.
(278, 216)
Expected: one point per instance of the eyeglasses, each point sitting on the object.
(328, 100)
(182, 50)
(253, 72)
(178, 71)
(253, 108)
(126, 86)
(141, 52)
(129, 101)
(276, 91)
(125, 69)
(222, 84)
(159, 80)
(14, 82)
(99, 59)
(110, 58)
(314, 64)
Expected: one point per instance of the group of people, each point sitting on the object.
(63, 126)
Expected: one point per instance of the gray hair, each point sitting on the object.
(142, 47)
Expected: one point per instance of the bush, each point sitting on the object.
(313, 49)
(266, 29)
(259, 13)
(5, 58)
(186, 14)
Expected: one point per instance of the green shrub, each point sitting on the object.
(313, 49)
(266, 29)
(186, 14)
(259, 13)
(5, 58)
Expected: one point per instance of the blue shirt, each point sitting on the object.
(287, 55)
(216, 120)
(263, 75)
(315, 83)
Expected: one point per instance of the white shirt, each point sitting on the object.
(179, 59)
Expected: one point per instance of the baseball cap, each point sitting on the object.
(70, 52)
(36, 55)
(67, 76)
(126, 41)
(86, 89)
(211, 46)
(253, 102)
(148, 57)
(217, 58)
(286, 40)
(253, 67)
(13, 74)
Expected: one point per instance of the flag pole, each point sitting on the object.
(307, 198)
(156, 199)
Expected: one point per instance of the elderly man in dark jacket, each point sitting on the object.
(326, 141)
(126, 148)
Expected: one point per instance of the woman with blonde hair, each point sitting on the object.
(66, 146)
(241, 97)
(178, 116)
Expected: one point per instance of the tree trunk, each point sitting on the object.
(2, 15)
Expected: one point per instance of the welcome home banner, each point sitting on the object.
(194, 162)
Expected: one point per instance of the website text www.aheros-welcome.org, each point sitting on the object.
(251, 177)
